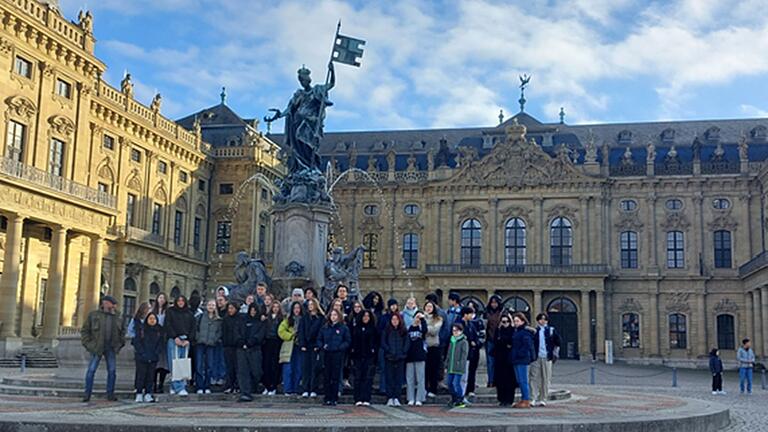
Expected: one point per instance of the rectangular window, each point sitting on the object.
(135, 155)
(63, 89)
(726, 333)
(183, 176)
(178, 227)
(130, 210)
(722, 249)
(628, 250)
(264, 194)
(15, 141)
(630, 330)
(678, 338)
(675, 250)
(196, 235)
(129, 309)
(201, 185)
(157, 217)
(108, 142)
(411, 250)
(40, 315)
(371, 252)
(162, 167)
(223, 235)
(56, 157)
(226, 189)
(104, 188)
(23, 67)
(262, 239)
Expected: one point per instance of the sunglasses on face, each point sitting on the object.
(505, 322)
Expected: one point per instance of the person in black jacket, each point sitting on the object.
(250, 338)
(362, 353)
(333, 341)
(271, 354)
(473, 360)
(716, 368)
(504, 378)
(179, 328)
(394, 345)
(148, 346)
(415, 361)
(229, 342)
(309, 328)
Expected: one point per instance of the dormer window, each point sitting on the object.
(668, 136)
(759, 133)
(625, 137)
(712, 134)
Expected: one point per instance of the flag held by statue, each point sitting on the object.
(348, 50)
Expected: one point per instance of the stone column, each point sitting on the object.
(118, 276)
(536, 303)
(9, 281)
(653, 325)
(55, 288)
(538, 258)
(144, 285)
(764, 308)
(750, 315)
(585, 325)
(582, 234)
(494, 232)
(600, 328)
(758, 336)
(94, 281)
(701, 325)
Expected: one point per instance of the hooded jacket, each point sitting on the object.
(229, 329)
(149, 343)
(252, 330)
(715, 364)
(458, 353)
(502, 345)
(492, 316)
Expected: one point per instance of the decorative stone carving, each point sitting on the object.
(248, 273)
(411, 163)
(678, 302)
(62, 125)
(467, 156)
(675, 221)
(515, 211)
(411, 225)
(160, 195)
(743, 147)
(651, 150)
(444, 155)
(105, 170)
(726, 306)
(85, 21)
(181, 203)
(372, 165)
(156, 103)
(371, 224)
(471, 213)
(630, 305)
(134, 270)
(430, 160)
(590, 155)
(723, 221)
(21, 106)
(758, 133)
(200, 209)
(562, 210)
(304, 187)
(626, 158)
(629, 221)
(126, 86)
(134, 180)
(295, 269)
(391, 160)
(6, 46)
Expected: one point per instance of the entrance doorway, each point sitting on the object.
(564, 317)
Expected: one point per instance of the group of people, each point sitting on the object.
(295, 343)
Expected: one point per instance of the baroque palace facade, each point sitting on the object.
(650, 235)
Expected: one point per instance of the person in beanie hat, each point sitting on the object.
(297, 295)
(103, 335)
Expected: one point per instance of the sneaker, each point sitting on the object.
(113, 398)
(366, 403)
(358, 403)
(542, 403)
(183, 392)
(722, 392)
(86, 399)
(410, 403)
(396, 401)
(418, 403)
(265, 392)
(305, 395)
(207, 391)
(245, 398)
(200, 391)
(148, 398)
(313, 395)
(431, 395)
(460, 405)
(227, 391)
(172, 392)
(471, 394)
(390, 403)
(715, 392)
(139, 398)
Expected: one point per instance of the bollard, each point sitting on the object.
(763, 378)
(23, 363)
(674, 377)
(592, 375)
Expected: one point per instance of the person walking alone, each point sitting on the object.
(546, 347)
(103, 335)
(746, 358)
(716, 368)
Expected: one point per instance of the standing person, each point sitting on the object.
(221, 306)
(208, 338)
(432, 297)
(353, 320)
(250, 339)
(309, 329)
(504, 380)
(393, 308)
(180, 330)
(249, 300)
(333, 341)
(716, 368)
(290, 354)
(394, 345)
(138, 319)
(159, 308)
(219, 373)
(103, 335)
(492, 316)
(362, 353)
(470, 331)
(746, 358)
(456, 364)
(522, 355)
(297, 295)
(433, 366)
(452, 316)
(415, 361)
(149, 346)
(342, 293)
(375, 304)
(272, 344)
(409, 311)
(546, 345)
(261, 292)
(309, 293)
(229, 334)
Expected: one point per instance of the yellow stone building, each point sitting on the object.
(100, 193)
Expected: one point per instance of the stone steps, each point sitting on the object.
(36, 357)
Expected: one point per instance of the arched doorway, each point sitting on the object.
(517, 304)
(564, 317)
(476, 303)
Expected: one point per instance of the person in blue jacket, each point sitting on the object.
(334, 340)
(306, 340)
(148, 345)
(522, 355)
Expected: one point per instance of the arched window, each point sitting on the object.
(471, 243)
(154, 288)
(630, 330)
(628, 240)
(726, 333)
(475, 303)
(561, 305)
(129, 284)
(411, 250)
(675, 250)
(514, 242)
(722, 249)
(371, 253)
(175, 293)
(678, 337)
(517, 304)
(561, 241)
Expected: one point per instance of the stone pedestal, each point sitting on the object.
(301, 240)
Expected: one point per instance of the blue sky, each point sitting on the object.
(446, 63)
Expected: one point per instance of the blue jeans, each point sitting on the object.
(490, 362)
(181, 352)
(521, 374)
(454, 386)
(219, 372)
(111, 372)
(292, 373)
(205, 360)
(745, 376)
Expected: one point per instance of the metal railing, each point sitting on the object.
(672, 168)
(596, 269)
(45, 179)
(627, 170)
(755, 263)
(724, 167)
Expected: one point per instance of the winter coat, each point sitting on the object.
(229, 329)
(365, 341)
(180, 323)
(149, 343)
(492, 316)
(287, 334)
(92, 333)
(251, 332)
(334, 338)
(309, 329)
(408, 315)
(473, 338)
(272, 326)
(208, 330)
(551, 339)
(452, 316)
(522, 347)
(394, 344)
(502, 346)
(715, 364)
(434, 328)
(417, 346)
(458, 353)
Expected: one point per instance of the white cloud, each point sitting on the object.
(753, 111)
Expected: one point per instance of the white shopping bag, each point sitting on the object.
(181, 367)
